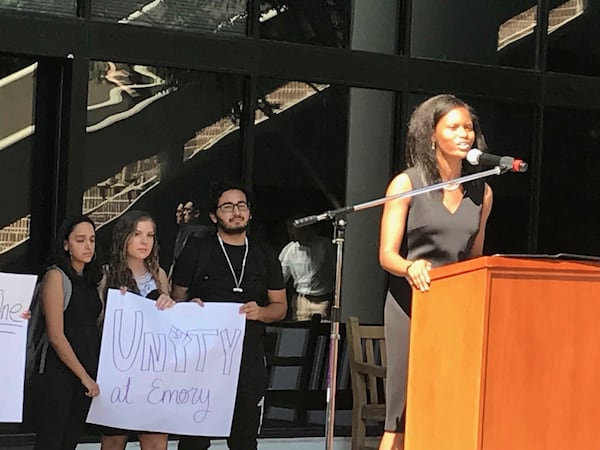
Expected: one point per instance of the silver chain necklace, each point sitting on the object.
(451, 187)
(238, 283)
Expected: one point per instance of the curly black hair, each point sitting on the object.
(421, 127)
(218, 188)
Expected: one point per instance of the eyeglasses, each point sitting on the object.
(229, 207)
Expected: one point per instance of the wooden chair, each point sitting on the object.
(366, 346)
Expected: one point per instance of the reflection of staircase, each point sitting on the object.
(288, 95)
(102, 203)
(114, 206)
(13, 234)
(207, 137)
(523, 24)
(282, 98)
(112, 197)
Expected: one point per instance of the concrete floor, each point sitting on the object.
(341, 443)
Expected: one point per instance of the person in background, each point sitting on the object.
(190, 212)
(179, 214)
(428, 230)
(134, 267)
(190, 226)
(64, 389)
(309, 260)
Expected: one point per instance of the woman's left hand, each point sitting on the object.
(26, 315)
(165, 302)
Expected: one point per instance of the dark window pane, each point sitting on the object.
(300, 150)
(17, 87)
(509, 130)
(209, 16)
(318, 22)
(57, 7)
(299, 169)
(573, 37)
(570, 191)
(495, 32)
(156, 138)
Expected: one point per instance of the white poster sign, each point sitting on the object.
(172, 371)
(15, 296)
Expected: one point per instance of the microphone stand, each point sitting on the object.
(339, 219)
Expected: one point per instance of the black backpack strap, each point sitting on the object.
(37, 335)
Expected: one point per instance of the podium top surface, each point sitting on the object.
(560, 262)
(565, 256)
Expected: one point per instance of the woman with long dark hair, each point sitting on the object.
(134, 267)
(64, 390)
(427, 230)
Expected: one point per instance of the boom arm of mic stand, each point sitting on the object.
(333, 213)
(434, 187)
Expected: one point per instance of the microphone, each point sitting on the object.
(506, 163)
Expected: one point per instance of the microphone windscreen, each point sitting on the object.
(473, 156)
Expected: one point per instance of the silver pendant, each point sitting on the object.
(238, 289)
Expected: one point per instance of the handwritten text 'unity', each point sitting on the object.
(187, 347)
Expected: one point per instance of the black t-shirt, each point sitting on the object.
(203, 269)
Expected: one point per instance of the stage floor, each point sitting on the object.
(340, 443)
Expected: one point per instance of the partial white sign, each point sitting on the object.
(172, 371)
(15, 296)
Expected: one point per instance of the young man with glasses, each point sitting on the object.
(230, 266)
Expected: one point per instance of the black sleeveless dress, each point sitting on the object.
(61, 404)
(81, 329)
(435, 234)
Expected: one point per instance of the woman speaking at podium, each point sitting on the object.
(428, 230)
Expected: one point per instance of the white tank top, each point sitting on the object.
(145, 284)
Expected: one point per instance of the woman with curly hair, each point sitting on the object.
(427, 230)
(65, 382)
(134, 267)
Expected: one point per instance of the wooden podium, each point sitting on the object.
(505, 355)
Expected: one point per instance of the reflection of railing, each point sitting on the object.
(14, 234)
(15, 127)
(120, 78)
(155, 90)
